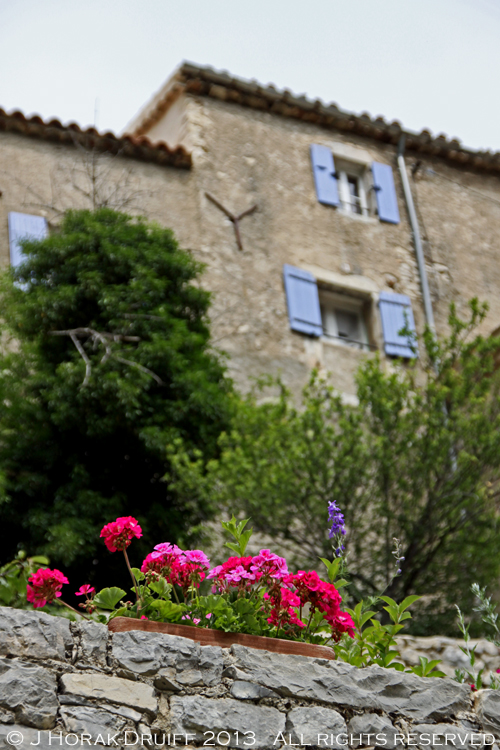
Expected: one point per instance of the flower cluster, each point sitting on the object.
(118, 535)
(88, 592)
(44, 586)
(336, 518)
(243, 572)
(283, 614)
(337, 529)
(322, 596)
(255, 592)
(182, 568)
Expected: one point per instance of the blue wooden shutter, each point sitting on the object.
(303, 301)
(396, 314)
(24, 227)
(383, 184)
(325, 178)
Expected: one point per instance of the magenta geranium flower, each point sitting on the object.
(118, 534)
(269, 565)
(196, 556)
(165, 548)
(85, 590)
(44, 586)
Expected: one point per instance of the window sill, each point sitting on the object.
(339, 344)
(358, 217)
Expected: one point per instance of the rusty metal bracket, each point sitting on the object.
(235, 219)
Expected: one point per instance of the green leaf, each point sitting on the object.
(161, 587)
(398, 666)
(331, 568)
(232, 546)
(168, 611)
(121, 612)
(138, 575)
(341, 583)
(408, 602)
(109, 598)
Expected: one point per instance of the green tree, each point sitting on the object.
(105, 361)
(417, 459)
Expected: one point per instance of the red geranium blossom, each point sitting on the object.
(119, 534)
(85, 590)
(323, 596)
(283, 614)
(45, 586)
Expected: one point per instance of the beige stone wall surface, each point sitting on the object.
(244, 157)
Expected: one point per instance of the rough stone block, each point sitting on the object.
(199, 716)
(245, 691)
(366, 727)
(337, 683)
(94, 640)
(316, 725)
(30, 738)
(34, 635)
(454, 657)
(6, 717)
(487, 706)
(29, 691)
(114, 689)
(92, 721)
(434, 735)
(179, 662)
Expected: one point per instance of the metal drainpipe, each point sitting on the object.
(429, 315)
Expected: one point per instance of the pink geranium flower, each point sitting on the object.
(239, 574)
(45, 586)
(196, 556)
(118, 534)
(268, 564)
(165, 548)
(85, 590)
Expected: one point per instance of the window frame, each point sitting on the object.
(345, 169)
(332, 300)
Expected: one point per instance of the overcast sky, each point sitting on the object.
(428, 63)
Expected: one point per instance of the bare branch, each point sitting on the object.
(81, 350)
(104, 338)
(140, 367)
(101, 335)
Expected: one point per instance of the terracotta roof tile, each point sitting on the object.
(134, 147)
(205, 81)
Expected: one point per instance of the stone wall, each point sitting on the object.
(448, 651)
(67, 684)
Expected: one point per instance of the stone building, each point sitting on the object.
(310, 219)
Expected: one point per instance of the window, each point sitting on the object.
(346, 317)
(354, 187)
(24, 227)
(343, 319)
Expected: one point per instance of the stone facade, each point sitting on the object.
(245, 152)
(64, 684)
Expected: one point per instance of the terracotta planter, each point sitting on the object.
(207, 637)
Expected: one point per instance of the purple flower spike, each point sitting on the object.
(336, 518)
